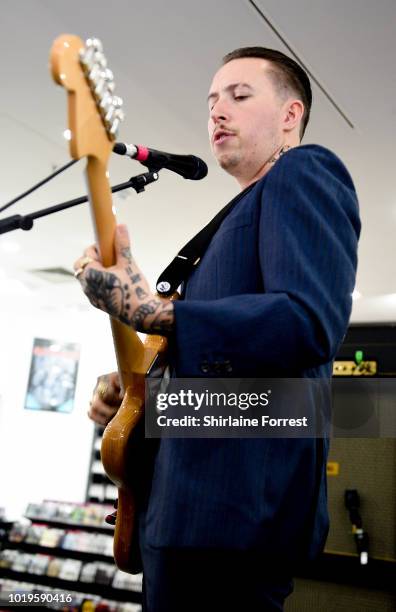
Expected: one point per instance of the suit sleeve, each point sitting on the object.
(308, 233)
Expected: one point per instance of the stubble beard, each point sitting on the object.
(229, 160)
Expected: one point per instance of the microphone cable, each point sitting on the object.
(40, 184)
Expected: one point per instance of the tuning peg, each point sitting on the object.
(114, 127)
(97, 45)
(100, 59)
(101, 82)
(109, 76)
(94, 73)
(86, 58)
(99, 88)
(103, 62)
(106, 101)
(117, 101)
(120, 115)
(109, 116)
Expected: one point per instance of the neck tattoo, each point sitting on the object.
(279, 154)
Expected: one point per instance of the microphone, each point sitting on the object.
(188, 166)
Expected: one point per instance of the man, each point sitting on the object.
(227, 520)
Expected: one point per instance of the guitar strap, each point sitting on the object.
(189, 256)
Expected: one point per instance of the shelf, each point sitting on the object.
(346, 569)
(93, 588)
(59, 552)
(72, 525)
(100, 478)
(100, 488)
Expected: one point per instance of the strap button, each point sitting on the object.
(228, 367)
(163, 287)
(218, 367)
(205, 367)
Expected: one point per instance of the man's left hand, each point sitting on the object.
(121, 290)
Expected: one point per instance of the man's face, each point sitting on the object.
(245, 118)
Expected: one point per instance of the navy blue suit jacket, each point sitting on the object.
(271, 297)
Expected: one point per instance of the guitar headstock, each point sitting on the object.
(95, 113)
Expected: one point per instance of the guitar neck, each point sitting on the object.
(128, 346)
(101, 208)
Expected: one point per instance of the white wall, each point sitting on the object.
(46, 455)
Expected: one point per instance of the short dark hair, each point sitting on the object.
(287, 74)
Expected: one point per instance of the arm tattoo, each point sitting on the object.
(141, 313)
(163, 323)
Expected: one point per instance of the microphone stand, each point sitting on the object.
(25, 222)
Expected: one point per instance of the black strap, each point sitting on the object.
(189, 256)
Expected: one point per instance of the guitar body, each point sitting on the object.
(94, 115)
(126, 458)
(120, 439)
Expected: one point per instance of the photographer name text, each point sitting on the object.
(229, 421)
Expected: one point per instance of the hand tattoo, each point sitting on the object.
(135, 278)
(118, 298)
(141, 293)
(126, 252)
(105, 291)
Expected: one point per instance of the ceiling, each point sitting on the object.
(163, 55)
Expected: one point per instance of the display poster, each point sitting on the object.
(52, 377)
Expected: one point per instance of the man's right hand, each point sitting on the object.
(106, 398)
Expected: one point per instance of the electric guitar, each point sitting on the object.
(94, 116)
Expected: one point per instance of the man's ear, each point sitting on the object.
(294, 110)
